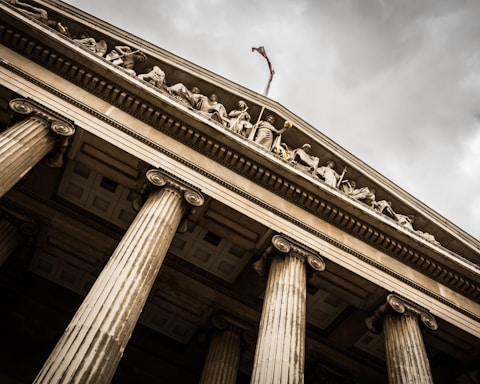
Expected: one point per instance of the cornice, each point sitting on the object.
(244, 158)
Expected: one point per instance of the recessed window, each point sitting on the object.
(108, 184)
(212, 238)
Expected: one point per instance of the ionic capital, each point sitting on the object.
(224, 321)
(158, 179)
(24, 224)
(59, 126)
(397, 304)
(282, 246)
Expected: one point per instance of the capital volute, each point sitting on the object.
(158, 179)
(59, 126)
(24, 224)
(222, 322)
(396, 304)
(282, 246)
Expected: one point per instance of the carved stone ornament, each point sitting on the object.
(27, 107)
(224, 321)
(157, 178)
(283, 246)
(403, 306)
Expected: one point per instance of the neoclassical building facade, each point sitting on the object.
(162, 224)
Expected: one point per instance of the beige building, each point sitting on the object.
(153, 234)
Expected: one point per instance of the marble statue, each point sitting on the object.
(124, 57)
(155, 77)
(239, 120)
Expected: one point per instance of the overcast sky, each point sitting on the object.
(396, 83)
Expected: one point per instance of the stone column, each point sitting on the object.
(407, 360)
(24, 144)
(14, 227)
(223, 357)
(93, 343)
(9, 239)
(280, 351)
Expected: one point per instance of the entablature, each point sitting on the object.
(453, 267)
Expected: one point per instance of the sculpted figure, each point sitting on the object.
(428, 237)
(211, 107)
(280, 148)
(329, 175)
(301, 159)
(240, 120)
(98, 48)
(155, 76)
(364, 194)
(406, 221)
(40, 15)
(124, 57)
(385, 207)
(264, 132)
(183, 95)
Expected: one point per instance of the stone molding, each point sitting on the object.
(438, 272)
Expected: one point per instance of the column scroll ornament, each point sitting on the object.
(223, 321)
(282, 246)
(25, 224)
(403, 306)
(60, 128)
(158, 179)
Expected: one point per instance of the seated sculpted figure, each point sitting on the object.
(182, 94)
(124, 57)
(428, 237)
(406, 221)
(99, 48)
(301, 159)
(349, 187)
(155, 77)
(328, 174)
(385, 207)
(39, 14)
(213, 109)
(240, 120)
(264, 132)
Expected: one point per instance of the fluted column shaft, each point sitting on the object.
(407, 360)
(223, 357)
(280, 351)
(24, 144)
(93, 343)
(9, 239)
